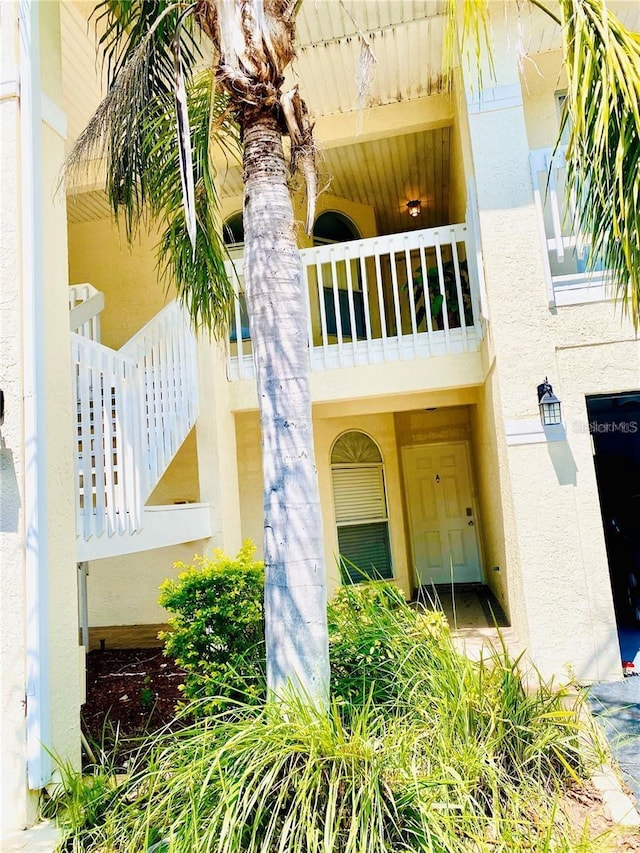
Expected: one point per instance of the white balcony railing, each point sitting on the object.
(388, 298)
(571, 276)
(135, 407)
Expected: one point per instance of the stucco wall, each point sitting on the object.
(37, 524)
(542, 76)
(99, 255)
(179, 483)
(125, 590)
(492, 481)
(557, 576)
(326, 429)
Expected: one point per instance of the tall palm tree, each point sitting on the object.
(161, 166)
(153, 163)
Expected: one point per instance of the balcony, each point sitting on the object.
(572, 278)
(392, 298)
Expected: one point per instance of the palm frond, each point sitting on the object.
(139, 60)
(184, 135)
(140, 137)
(603, 156)
(198, 273)
(468, 31)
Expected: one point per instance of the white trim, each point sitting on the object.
(162, 526)
(583, 290)
(39, 765)
(495, 98)
(53, 115)
(531, 431)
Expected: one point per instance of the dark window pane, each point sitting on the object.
(364, 551)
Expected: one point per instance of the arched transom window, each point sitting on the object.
(357, 472)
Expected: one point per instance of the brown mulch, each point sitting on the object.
(129, 692)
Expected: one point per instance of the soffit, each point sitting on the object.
(406, 37)
(420, 171)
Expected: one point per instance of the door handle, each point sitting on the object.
(470, 523)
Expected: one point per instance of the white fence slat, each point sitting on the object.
(323, 312)
(426, 295)
(396, 295)
(365, 301)
(555, 212)
(460, 298)
(443, 291)
(411, 295)
(381, 308)
(352, 311)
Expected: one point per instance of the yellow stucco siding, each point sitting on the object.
(179, 483)
(99, 255)
(542, 76)
(491, 480)
(125, 590)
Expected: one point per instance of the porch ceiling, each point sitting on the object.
(407, 40)
(406, 37)
(382, 173)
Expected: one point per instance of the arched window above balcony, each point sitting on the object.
(334, 227)
(233, 230)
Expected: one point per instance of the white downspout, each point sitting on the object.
(35, 430)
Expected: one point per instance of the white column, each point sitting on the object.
(39, 655)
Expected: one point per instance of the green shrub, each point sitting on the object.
(217, 628)
(421, 750)
(374, 638)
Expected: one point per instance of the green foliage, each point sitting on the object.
(134, 131)
(217, 628)
(421, 750)
(602, 60)
(373, 638)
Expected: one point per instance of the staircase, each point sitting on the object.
(135, 407)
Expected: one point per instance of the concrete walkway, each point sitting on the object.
(616, 706)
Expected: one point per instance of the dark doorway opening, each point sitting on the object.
(614, 423)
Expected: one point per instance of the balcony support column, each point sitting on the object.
(552, 566)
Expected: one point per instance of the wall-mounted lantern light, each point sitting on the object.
(549, 404)
(414, 207)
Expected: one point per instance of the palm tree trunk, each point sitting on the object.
(295, 585)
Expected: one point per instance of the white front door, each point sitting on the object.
(441, 513)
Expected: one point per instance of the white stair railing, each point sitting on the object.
(85, 305)
(165, 353)
(135, 407)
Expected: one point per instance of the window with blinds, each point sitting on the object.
(361, 508)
